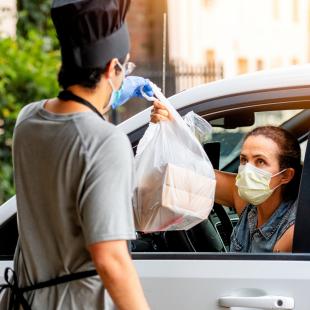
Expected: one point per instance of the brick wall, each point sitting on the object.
(145, 20)
(145, 23)
(140, 29)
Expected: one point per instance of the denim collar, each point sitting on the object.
(279, 216)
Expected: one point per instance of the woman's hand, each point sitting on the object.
(160, 113)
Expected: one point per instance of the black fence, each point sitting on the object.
(179, 76)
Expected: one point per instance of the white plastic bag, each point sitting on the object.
(176, 181)
(199, 126)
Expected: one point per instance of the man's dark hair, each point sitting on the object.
(85, 77)
(88, 78)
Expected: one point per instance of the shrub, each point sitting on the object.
(28, 72)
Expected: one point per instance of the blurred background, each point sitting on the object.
(175, 43)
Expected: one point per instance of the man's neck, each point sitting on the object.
(98, 97)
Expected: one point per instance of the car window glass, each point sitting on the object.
(231, 139)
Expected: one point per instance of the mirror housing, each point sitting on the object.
(234, 120)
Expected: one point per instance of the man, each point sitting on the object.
(74, 172)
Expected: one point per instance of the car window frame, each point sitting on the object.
(303, 212)
(258, 101)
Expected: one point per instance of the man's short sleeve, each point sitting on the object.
(106, 196)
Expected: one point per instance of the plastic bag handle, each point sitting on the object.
(158, 95)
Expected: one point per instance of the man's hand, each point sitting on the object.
(160, 113)
(131, 88)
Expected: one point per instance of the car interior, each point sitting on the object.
(213, 234)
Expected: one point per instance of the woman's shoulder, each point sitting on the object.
(291, 209)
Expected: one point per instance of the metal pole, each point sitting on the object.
(164, 52)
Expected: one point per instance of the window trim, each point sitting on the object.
(222, 256)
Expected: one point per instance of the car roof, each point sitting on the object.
(294, 76)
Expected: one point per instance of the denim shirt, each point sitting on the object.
(246, 237)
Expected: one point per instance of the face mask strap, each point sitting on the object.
(279, 172)
(123, 72)
(122, 68)
(111, 84)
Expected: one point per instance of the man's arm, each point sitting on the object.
(115, 267)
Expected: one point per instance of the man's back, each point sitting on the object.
(67, 168)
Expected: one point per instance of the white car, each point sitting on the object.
(192, 269)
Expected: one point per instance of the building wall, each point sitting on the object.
(7, 18)
(145, 23)
(245, 35)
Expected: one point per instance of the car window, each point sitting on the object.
(231, 139)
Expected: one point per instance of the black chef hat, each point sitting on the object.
(91, 32)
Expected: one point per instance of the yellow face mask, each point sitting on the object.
(253, 184)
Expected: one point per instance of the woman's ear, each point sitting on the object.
(288, 175)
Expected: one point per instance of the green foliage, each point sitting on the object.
(35, 14)
(28, 72)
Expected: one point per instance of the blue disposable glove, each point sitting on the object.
(131, 88)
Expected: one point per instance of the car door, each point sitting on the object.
(198, 280)
(217, 281)
(222, 280)
(212, 281)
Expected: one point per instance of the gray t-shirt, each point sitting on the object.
(74, 177)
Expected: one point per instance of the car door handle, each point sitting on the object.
(258, 302)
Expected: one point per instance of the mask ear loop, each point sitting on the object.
(111, 84)
(279, 172)
(275, 176)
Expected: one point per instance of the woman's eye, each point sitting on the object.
(243, 161)
(260, 162)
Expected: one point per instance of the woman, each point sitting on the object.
(264, 190)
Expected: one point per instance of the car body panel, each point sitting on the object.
(7, 209)
(198, 284)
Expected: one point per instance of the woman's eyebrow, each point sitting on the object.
(260, 155)
(254, 156)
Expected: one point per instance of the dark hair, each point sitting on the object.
(289, 155)
(85, 77)
(88, 78)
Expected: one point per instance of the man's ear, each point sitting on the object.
(110, 71)
(288, 175)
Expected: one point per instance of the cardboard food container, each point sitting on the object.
(174, 198)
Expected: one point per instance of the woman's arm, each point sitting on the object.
(225, 183)
(226, 192)
(160, 112)
(285, 243)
